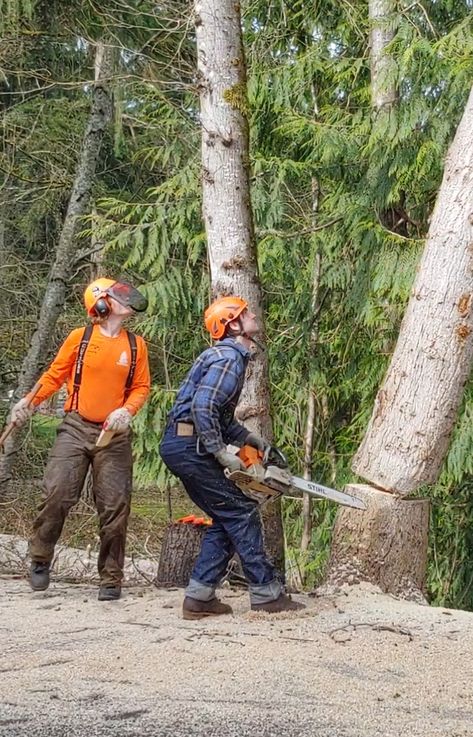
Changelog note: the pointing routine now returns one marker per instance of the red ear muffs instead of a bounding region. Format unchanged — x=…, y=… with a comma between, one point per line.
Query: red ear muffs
x=102, y=307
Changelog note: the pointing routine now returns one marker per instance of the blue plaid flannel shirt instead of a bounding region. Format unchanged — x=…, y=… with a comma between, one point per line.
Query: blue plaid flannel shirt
x=209, y=395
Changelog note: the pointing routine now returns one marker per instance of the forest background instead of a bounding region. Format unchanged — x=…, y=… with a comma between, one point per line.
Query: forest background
x=341, y=200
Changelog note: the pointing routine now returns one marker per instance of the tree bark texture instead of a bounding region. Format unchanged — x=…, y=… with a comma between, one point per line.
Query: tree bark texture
x=97, y=246
x=416, y=408
x=58, y=281
x=385, y=545
x=179, y=550
x=227, y=208
x=383, y=89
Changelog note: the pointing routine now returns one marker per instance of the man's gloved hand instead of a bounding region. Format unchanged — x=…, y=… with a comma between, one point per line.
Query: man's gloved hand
x=21, y=411
x=118, y=420
x=256, y=441
x=229, y=460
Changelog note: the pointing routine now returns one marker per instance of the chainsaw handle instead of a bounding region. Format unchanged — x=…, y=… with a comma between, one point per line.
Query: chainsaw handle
x=274, y=457
x=271, y=456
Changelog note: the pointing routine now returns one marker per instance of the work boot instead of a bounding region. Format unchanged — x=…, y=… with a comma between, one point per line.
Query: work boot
x=283, y=603
x=39, y=575
x=195, y=609
x=109, y=593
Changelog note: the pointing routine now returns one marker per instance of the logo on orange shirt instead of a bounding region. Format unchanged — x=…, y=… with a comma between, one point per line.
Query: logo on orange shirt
x=123, y=360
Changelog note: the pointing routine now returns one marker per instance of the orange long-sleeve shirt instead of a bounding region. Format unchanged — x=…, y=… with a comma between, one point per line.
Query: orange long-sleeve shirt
x=104, y=374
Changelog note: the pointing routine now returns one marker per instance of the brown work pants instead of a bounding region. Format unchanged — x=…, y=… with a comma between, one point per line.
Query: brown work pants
x=72, y=454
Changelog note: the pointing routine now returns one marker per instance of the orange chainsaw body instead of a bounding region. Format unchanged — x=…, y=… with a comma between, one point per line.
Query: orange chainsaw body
x=250, y=456
x=256, y=477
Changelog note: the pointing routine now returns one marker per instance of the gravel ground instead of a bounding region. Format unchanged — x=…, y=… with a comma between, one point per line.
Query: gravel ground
x=357, y=664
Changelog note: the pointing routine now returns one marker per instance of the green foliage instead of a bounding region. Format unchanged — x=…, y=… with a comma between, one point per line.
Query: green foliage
x=13, y=12
x=309, y=567
x=451, y=542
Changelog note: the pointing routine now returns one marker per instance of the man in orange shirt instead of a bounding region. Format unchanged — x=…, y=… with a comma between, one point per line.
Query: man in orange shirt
x=108, y=381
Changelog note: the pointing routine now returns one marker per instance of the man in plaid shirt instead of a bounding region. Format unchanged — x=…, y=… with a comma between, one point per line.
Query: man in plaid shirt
x=200, y=425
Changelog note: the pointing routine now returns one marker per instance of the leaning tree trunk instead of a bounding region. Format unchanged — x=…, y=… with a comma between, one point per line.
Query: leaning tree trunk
x=415, y=409
x=78, y=206
x=226, y=201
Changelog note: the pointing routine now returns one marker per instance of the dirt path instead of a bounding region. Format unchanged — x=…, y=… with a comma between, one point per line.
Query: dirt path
x=71, y=666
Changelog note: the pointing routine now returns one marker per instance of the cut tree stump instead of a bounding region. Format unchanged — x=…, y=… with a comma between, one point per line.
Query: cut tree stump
x=385, y=545
x=179, y=551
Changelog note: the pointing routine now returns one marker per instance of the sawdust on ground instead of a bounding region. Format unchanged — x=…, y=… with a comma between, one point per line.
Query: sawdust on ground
x=357, y=664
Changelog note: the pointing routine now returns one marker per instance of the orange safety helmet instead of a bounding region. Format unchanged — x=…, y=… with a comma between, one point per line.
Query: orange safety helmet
x=95, y=297
x=221, y=312
x=95, y=291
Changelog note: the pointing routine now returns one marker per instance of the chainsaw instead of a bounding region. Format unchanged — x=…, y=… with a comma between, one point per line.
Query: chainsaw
x=267, y=476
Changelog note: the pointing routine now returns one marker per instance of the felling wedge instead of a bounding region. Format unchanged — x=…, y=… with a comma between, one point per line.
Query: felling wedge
x=267, y=475
x=104, y=438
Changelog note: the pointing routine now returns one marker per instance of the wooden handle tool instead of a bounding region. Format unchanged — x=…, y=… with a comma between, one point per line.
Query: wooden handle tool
x=12, y=425
x=104, y=438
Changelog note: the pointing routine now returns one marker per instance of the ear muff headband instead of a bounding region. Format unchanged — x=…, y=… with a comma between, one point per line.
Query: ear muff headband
x=102, y=307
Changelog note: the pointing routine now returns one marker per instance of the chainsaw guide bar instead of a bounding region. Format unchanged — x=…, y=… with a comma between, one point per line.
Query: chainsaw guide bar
x=272, y=479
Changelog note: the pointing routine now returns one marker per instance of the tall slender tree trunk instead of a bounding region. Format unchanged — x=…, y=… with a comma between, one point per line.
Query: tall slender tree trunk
x=383, y=18
x=416, y=408
x=58, y=282
x=307, y=471
x=226, y=201
x=311, y=400
x=97, y=249
x=383, y=86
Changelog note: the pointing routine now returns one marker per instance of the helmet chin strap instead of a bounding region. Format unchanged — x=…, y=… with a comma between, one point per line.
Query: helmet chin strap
x=259, y=345
x=253, y=340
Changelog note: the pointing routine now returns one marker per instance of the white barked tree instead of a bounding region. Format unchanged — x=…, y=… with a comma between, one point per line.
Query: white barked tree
x=227, y=207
